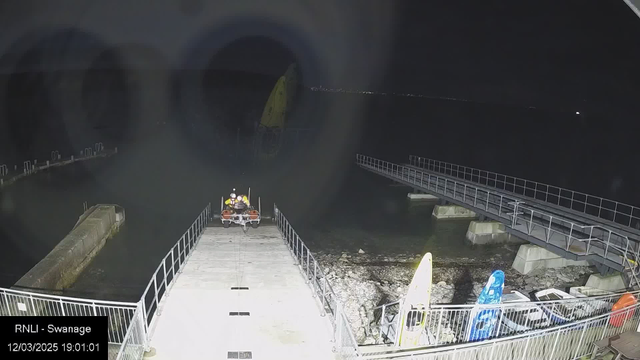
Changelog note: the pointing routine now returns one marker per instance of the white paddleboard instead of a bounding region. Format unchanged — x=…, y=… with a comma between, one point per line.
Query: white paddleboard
x=415, y=304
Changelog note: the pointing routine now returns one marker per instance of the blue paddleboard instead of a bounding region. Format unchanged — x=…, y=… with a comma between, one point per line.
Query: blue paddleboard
x=484, y=321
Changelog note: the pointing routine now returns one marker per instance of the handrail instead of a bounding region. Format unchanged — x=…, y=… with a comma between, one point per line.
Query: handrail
x=519, y=304
x=178, y=256
x=133, y=345
x=545, y=343
x=9, y=175
x=23, y=303
x=598, y=241
x=611, y=210
x=448, y=322
x=67, y=298
x=346, y=344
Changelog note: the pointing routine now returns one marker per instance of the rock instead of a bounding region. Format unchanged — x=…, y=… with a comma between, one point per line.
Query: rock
x=442, y=283
x=360, y=251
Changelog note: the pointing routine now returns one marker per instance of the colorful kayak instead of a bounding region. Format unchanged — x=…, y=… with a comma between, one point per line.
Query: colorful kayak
x=621, y=317
x=415, y=305
x=484, y=321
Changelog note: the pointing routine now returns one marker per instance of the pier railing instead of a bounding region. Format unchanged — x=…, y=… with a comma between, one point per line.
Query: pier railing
x=21, y=303
x=135, y=341
x=541, y=227
x=605, y=209
x=565, y=342
x=9, y=174
x=450, y=324
x=344, y=340
x=166, y=272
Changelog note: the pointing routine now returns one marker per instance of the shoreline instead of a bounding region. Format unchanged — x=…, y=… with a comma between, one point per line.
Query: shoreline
x=362, y=282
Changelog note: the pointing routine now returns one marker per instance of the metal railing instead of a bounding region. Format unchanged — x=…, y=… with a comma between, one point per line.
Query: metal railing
x=542, y=227
x=30, y=166
x=568, y=341
x=21, y=303
x=344, y=340
x=605, y=209
x=166, y=272
x=134, y=344
x=450, y=324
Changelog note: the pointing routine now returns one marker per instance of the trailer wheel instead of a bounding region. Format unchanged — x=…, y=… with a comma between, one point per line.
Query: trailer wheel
x=255, y=225
x=226, y=224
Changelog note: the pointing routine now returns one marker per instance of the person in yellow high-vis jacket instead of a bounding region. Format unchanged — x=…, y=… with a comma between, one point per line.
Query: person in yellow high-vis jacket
x=231, y=201
x=244, y=199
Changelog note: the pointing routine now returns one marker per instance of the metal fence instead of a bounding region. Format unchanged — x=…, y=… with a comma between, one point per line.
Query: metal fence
x=170, y=266
x=605, y=209
x=135, y=341
x=8, y=173
x=568, y=341
x=21, y=303
x=344, y=340
x=541, y=227
x=450, y=324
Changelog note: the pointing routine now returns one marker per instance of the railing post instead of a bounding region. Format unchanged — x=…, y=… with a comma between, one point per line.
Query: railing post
x=499, y=323
x=145, y=326
x=526, y=347
x=570, y=235
x=155, y=294
x=144, y=311
x=164, y=268
x=307, y=279
x=382, y=319
x=555, y=344
x=173, y=262
x=599, y=208
x=584, y=329
x=438, y=329
x=606, y=249
x=589, y=241
x=324, y=293
x=33, y=307
x=531, y=223
x=464, y=194
x=315, y=277
x=337, y=334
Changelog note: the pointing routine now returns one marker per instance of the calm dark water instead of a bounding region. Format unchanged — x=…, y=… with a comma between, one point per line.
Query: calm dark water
x=364, y=212
x=165, y=179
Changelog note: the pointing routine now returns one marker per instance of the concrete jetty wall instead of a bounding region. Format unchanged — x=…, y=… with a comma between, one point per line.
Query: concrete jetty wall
x=489, y=232
x=61, y=267
x=452, y=212
x=531, y=257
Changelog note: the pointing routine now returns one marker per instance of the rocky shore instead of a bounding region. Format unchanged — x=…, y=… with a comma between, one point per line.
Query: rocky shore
x=362, y=281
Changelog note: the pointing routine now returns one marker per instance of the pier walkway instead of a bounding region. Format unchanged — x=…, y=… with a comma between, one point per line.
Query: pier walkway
x=241, y=293
x=226, y=294
x=558, y=230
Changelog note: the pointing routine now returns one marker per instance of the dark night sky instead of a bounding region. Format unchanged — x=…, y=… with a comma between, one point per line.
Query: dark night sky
x=567, y=54
x=558, y=57
x=570, y=55
x=558, y=53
